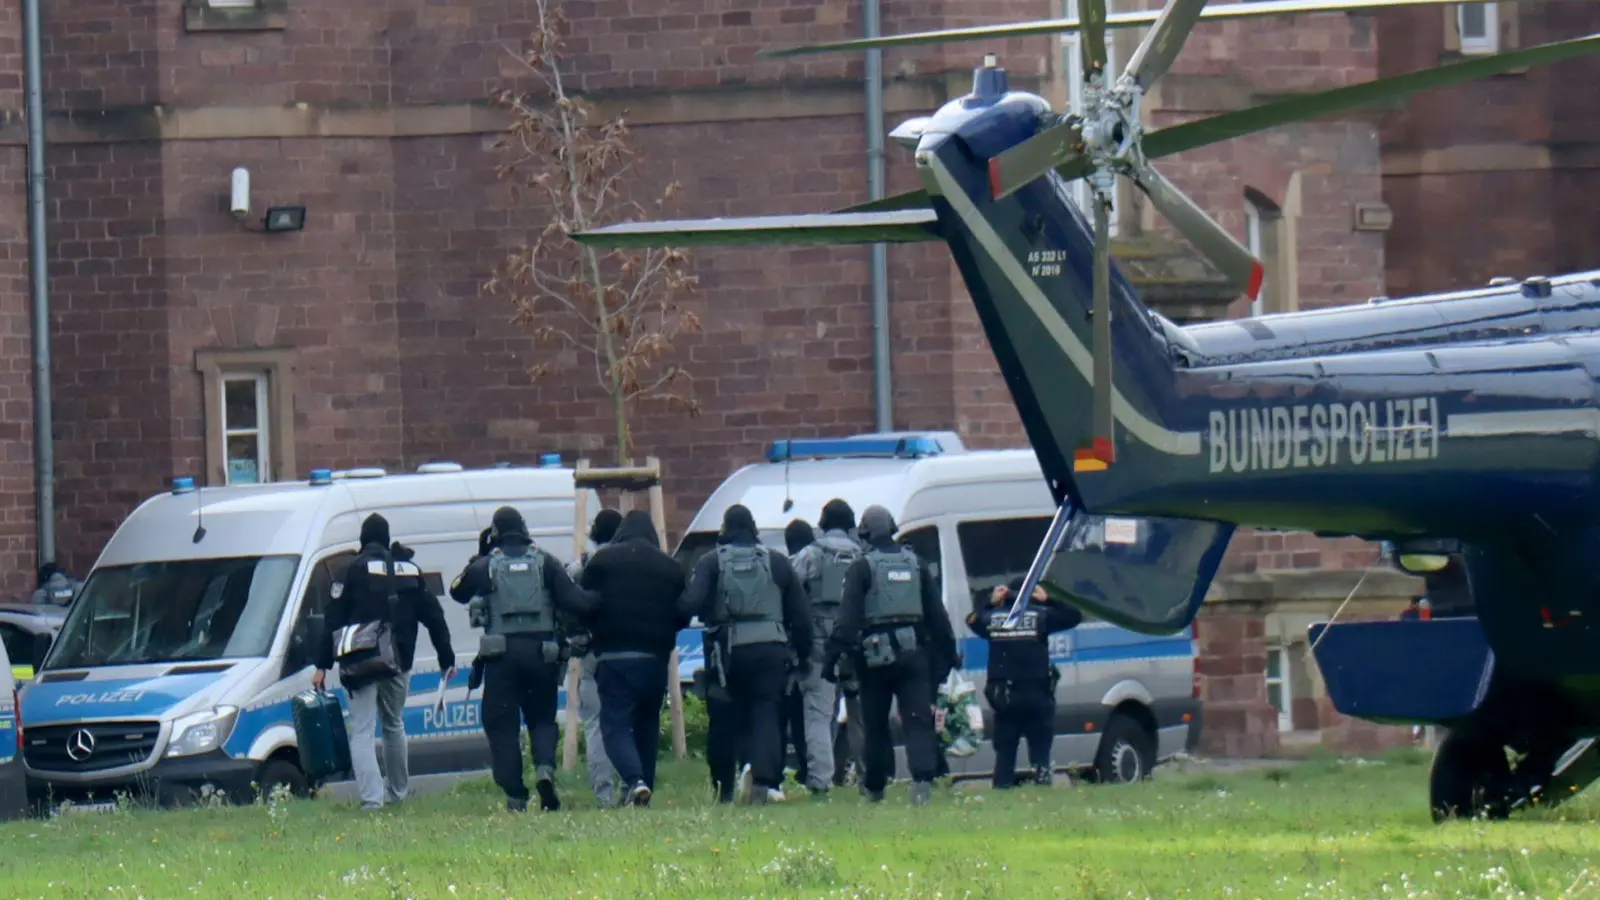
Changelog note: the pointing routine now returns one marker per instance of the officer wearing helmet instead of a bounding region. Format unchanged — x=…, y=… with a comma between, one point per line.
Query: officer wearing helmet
x=516, y=593
x=892, y=624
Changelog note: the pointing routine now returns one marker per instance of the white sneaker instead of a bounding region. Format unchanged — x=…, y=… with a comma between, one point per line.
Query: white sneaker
x=746, y=786
x=775, y=795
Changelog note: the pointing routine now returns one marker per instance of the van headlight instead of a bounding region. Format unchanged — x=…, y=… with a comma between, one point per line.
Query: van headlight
x=202, y=732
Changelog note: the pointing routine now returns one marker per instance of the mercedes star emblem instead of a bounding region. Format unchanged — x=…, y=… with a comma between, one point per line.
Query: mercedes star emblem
x=80, y=744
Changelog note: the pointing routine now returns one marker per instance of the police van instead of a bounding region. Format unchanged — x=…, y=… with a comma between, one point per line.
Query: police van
x=1125, y=700
x=13, y=782
x=174, y=669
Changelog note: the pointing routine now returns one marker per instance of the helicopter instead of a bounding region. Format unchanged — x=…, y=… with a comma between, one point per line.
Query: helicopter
x=1458, y=429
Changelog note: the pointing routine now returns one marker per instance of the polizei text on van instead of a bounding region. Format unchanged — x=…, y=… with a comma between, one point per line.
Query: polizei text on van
x=1324, y=434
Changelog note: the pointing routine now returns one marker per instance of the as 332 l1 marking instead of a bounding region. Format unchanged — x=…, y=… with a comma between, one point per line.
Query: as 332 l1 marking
x=1324, y=434
x=1044, y=263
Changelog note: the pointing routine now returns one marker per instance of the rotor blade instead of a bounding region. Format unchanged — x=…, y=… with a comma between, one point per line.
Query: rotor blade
x=1162, y=45
x=1052, y=148
x=1228, y=126
x=1242, y=270
x=1139, y=19
x=1102, y=448
x=893, y=226
x=917, y=199
x=1094, y=37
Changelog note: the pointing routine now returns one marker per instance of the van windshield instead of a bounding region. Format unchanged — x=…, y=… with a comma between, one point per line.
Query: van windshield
x=697, y=543
x=182, y=610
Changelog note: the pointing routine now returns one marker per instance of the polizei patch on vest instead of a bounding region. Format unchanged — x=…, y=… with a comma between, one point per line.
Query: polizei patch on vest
x=900, y=576
x=518, y=567
x=1324, y=434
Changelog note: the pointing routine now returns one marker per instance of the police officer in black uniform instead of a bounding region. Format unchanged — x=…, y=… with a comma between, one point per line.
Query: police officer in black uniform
x=893, y=625
x=515, y=594
x=758, y=631
x=1021, y=682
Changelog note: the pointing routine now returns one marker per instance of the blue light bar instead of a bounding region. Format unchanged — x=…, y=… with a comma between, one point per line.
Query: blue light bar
x=550, y=461
x=321, y=477
x=894, y=448
x=183, y=484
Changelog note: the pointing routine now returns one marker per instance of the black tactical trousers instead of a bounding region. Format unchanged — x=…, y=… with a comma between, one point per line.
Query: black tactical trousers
x=908, y=680
x=749, y=721
x=520, y=687
x=1027, y=710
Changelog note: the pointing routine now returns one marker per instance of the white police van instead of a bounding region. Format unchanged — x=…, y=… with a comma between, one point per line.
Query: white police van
x=13, y=782
x=174, y=669
x=1125, y=700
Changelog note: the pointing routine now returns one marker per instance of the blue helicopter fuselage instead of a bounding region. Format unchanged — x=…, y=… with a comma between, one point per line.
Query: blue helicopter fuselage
x=1471, y=416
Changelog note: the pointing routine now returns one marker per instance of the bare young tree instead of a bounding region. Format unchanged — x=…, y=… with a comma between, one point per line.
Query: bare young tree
x=620, y=308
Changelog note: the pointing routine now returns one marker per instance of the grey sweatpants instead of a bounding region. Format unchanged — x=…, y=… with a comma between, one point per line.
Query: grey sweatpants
x=820, y=705
x=386, y=701
x=602, y=778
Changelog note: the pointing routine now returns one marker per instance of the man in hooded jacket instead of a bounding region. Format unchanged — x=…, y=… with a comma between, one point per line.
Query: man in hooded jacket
x=635, y=630
x=378, y=573
x=757, y=620
x=821, y=567
x=525, y=659
x=892, y=623
x=602, y=777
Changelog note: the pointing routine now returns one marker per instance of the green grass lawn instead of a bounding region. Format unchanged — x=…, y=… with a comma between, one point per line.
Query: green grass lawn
x=1324, y=829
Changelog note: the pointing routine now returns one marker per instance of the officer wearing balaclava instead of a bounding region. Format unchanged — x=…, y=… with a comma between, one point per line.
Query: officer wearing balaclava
x=515, y=594
x=893, y=625
x=758, y=630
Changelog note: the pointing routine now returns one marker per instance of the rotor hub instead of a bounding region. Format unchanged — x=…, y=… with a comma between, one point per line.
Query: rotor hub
x=1111, y=129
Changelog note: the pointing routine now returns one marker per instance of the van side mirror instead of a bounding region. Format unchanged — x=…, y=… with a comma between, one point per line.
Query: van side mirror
x=41, y=648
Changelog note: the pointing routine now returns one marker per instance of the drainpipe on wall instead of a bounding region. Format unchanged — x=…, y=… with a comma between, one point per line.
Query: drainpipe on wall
x=44, y=464
x=882, y=383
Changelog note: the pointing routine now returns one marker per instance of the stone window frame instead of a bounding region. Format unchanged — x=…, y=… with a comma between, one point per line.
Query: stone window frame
x=234, y=15
x=1271, y=236
x=1507, y=32
x=278, y=364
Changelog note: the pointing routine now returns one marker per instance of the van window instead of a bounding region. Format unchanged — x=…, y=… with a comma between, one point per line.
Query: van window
x=924, y=542
x=998, y=551
x=18, y=643
x=181, y=610
x=696, y=544
x=319, y=590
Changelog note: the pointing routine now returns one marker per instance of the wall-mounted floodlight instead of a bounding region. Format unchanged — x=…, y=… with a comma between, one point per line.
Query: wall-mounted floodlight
x=284, y=218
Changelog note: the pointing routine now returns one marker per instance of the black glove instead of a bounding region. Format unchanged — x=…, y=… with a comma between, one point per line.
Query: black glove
x=475, y=677
x=830, y=670
x=400, y=552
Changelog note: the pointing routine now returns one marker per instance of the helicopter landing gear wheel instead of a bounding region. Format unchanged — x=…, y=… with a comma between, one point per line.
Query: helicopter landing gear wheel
x=1470, y=778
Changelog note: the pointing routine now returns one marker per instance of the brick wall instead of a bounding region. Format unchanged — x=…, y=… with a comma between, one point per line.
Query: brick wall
x=1518, y=150
x=401, y=361
x=16, y=324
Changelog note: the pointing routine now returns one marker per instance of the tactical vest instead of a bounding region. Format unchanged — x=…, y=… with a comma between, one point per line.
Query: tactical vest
x=1020, y=653
x=827, y=579
x=896, y=592
x=520, y=602
x=748, y=598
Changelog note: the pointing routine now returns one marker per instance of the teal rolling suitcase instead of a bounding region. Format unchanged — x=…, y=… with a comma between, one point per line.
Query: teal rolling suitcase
x=319, y=730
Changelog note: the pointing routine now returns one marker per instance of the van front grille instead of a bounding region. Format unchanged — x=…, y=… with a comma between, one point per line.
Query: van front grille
x=89, y=746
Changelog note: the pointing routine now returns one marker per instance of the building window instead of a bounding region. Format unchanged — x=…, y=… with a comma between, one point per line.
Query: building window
x=245, y=403
x=997, y=551
x=249, y=415
x=1072, y=62
x=1252, y=225
x=231, y=4
x=1479, y=26
x=1279, y=692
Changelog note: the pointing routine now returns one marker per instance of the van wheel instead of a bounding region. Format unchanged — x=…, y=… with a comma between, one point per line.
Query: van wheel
x=1127, y=752
x=280, y=771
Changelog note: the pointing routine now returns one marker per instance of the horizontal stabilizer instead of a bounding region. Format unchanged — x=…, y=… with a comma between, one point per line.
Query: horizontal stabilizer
x=917, y=199
x=882, y=226
x=1147, y=574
